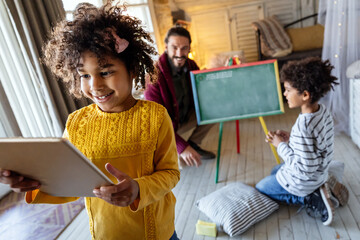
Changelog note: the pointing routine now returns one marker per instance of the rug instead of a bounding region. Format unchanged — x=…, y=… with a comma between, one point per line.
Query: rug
x=22, y=221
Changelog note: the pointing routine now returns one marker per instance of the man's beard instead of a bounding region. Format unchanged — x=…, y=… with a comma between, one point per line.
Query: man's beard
x=178, y=68
x=183, y=57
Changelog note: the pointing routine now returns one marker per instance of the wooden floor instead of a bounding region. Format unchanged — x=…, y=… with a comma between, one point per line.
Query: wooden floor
x=251, y=165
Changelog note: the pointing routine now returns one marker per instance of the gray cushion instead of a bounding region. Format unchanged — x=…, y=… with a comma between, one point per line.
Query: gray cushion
x=236, y=207
x=274, y=41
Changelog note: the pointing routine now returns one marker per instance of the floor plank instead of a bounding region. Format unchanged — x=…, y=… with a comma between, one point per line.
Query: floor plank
x=256, y=161
x=253, y=163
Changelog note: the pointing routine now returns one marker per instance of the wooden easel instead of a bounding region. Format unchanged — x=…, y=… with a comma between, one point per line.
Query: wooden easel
x=261, y=119
x=247, y=90
x=235, y=61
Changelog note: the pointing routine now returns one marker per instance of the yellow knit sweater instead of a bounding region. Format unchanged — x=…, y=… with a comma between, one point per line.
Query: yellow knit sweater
x=141, y=143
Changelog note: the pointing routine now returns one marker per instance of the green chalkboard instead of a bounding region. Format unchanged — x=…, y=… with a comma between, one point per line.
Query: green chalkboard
x=237, y=92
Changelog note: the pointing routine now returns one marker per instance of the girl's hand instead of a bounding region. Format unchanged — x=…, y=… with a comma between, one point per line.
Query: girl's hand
x=17, y=182
x=123, y=194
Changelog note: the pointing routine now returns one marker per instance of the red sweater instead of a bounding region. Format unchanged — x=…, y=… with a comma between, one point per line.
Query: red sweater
x=163, y=92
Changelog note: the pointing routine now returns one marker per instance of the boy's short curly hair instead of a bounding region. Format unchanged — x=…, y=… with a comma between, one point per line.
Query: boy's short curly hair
x=310, y=74
x=87, y=31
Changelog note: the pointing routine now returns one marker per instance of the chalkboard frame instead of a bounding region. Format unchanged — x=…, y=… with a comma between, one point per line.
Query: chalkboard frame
x=272, y=76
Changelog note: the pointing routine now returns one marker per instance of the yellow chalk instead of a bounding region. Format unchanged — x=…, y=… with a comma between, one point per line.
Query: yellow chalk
x=206, y=228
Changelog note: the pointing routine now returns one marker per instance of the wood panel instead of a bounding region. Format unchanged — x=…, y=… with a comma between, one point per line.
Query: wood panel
x=242, y=33
x=251, y=165
x=211, y=34
x=285, y=10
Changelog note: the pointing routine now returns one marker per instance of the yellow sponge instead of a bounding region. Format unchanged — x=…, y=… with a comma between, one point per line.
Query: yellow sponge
x=206, y=228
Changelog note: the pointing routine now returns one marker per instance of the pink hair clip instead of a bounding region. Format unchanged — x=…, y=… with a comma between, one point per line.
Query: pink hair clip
x=120, y=44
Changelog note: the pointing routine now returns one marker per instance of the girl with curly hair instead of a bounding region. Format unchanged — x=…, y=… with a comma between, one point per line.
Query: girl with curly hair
x=308, y=150
x=99, y=54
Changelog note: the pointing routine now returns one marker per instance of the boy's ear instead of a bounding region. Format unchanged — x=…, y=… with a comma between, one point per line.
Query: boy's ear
x=306, y=95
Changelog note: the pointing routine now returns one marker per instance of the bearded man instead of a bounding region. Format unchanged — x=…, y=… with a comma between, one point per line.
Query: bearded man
x=173, y=90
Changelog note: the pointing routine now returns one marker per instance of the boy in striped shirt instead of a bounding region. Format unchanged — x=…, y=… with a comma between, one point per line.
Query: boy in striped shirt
x=308, y=150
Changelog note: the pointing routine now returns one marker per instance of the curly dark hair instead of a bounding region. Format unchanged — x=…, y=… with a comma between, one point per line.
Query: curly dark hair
x=177, y=31
x=310, y=74
x=87, y=32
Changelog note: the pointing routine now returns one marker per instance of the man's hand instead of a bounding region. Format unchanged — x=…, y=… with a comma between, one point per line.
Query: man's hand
x=191, y=157
x=17, y=182
x=123, y=194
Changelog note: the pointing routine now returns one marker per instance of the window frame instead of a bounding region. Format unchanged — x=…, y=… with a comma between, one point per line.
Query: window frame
x=150, y=4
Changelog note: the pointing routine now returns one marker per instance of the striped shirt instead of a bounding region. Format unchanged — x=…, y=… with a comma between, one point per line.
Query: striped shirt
x=308, y=153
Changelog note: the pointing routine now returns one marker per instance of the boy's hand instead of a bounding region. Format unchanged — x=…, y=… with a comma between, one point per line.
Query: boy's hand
x=123, y=194
x=17, y=182
x=274, y=139
x=284, y=134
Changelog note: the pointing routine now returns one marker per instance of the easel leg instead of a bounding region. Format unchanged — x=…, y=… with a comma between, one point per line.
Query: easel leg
x=218, y=153
x=271, y=146
x=237, y=136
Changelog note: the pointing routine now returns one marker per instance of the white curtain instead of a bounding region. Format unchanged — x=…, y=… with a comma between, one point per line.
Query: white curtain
x=341, y=19
x=24, y=88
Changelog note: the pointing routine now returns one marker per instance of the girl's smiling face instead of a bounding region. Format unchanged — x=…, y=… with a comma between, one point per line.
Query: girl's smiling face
x=108, y=85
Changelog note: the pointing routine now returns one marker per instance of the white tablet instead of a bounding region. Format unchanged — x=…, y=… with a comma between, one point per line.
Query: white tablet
x=61, y=168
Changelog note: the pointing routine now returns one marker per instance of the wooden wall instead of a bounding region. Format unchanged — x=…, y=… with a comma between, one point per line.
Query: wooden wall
x=225, y=25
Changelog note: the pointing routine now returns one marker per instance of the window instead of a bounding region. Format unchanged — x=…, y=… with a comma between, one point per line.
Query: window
x=70, y=5
x=141, y=9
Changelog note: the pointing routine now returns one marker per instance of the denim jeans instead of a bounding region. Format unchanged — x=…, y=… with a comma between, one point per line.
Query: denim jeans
x=271, y=187
x=174, y=236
